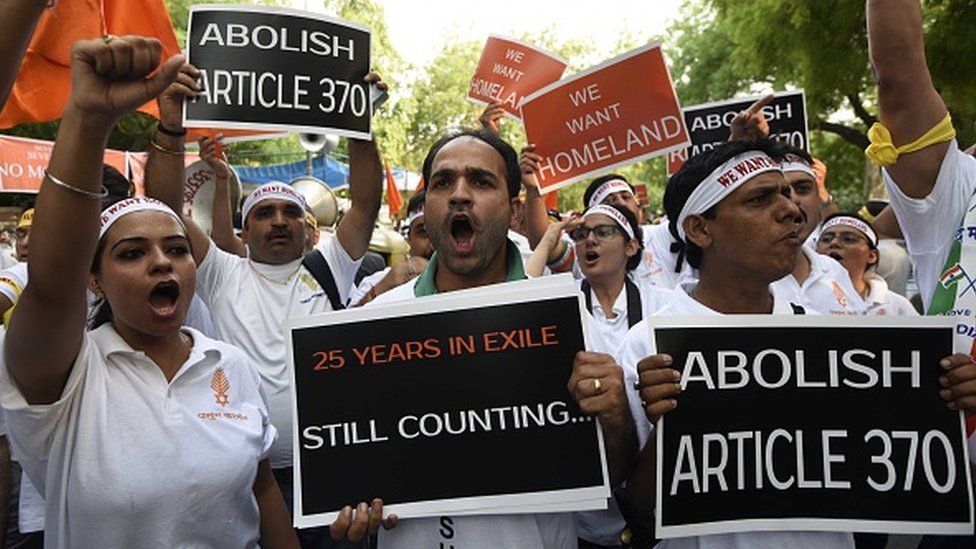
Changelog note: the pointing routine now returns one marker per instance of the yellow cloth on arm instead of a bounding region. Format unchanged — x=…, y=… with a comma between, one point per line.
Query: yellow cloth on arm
x=883, y=152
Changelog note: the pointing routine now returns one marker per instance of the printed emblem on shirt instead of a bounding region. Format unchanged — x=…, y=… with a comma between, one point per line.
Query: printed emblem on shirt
x=952, y=275
x=220, y=386
x=839, y=294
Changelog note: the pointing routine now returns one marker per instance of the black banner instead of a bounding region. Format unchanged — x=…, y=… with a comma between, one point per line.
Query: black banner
x=710, y=124
x=833, y=426
x=452, y=404
x=274, y=69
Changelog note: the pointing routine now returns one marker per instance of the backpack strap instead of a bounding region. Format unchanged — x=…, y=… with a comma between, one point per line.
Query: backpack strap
x=316, y=264
x=634, y=309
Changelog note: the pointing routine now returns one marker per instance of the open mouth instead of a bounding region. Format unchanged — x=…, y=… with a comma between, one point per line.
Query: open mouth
x=462, y=233
x=164, y=296
x=836, y=256
x=591, y=257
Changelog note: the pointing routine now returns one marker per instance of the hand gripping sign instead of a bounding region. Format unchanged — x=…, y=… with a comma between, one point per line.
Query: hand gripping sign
x=616, y=113
x=509, y=70
x=279, y=69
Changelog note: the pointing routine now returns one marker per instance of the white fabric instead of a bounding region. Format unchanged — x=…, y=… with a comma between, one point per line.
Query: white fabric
x=8, y=257
x=542, y=531
x=132, y=205
x=13, y=281
x=881, y=301
x=612, y=213
x=608, y=188
x=30, y=507
x=127, y=459
x=854, y=223
x=827, y=289
x=613, y=330
x=723, y=181
x=794, y=163
x=357, y=293
x=248, y=311
x=273, y=190
x=414, y=215
x=930, y=224
x=637, y=346
x=522, y=243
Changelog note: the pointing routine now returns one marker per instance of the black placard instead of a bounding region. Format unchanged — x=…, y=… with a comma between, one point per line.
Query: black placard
x=278, y=69
x=709, y=125
x=860, y=411
x=465, y=403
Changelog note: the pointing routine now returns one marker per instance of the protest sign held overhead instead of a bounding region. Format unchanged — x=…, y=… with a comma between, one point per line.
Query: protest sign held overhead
x=709, y=124
x=454, y=404
x=613, y=114
x=826, y=424
x=279, y=69
x=509, y=70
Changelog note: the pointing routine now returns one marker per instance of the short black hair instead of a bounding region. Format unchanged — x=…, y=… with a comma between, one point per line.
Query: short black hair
x=118, y=186
x=692, y=173
x=513, y=174
x=595, y=184
x=416, y=202
x=786, y=149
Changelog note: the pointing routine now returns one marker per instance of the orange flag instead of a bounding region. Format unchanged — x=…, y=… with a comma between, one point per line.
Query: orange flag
x=393, y=198
x=420, y=185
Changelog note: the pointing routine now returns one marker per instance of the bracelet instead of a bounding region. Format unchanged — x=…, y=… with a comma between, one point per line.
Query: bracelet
x=163, y=149
x=76, y=190
x=169, y=132
x=562, y=259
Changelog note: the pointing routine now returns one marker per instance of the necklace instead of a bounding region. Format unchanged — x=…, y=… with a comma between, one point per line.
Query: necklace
x=272, y=280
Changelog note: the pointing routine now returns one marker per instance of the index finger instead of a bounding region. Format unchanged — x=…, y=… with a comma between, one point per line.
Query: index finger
x=758, y=105
x=654, y=362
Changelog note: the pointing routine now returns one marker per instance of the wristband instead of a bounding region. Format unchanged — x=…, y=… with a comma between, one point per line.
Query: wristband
x=172, y=133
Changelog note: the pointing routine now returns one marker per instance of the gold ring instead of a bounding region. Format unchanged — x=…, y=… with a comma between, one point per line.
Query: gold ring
x=597, y=385
x=108, y=38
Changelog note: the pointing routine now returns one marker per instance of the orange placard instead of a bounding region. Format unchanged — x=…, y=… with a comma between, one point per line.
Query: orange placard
x=616, y=113
x=510, y=70
x=22, y=162
x=642, y=197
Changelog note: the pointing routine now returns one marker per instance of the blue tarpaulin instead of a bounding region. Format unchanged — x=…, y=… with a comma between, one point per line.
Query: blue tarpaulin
x=334, y=173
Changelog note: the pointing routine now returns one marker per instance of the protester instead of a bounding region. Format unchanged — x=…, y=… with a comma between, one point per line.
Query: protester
x=851, y=240
x=250, y=298
x=405, y=271
x=930, y=181
x=473, y=179
x=58, y=379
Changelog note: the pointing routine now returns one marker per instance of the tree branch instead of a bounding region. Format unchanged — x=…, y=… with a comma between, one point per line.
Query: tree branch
x=860, y=111
x=850, y=135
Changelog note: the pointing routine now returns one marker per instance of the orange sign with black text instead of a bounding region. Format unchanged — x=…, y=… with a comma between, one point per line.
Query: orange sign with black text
x=22, y=162
x=616, y=113
x=510, y=70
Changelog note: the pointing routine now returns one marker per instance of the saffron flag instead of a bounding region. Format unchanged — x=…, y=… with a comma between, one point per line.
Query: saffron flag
x=393, y=198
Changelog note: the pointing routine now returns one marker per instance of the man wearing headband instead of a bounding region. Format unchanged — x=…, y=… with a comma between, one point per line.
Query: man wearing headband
x=931, y=183
x=420, y=251
x=851, y=240
x=733, y=212
x=250, y=298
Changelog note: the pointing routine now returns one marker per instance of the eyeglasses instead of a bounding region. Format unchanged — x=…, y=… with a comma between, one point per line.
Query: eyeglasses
x=602, y=232
x=847, y=239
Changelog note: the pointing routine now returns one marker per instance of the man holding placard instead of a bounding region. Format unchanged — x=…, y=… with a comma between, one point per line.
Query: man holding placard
x=714, y=202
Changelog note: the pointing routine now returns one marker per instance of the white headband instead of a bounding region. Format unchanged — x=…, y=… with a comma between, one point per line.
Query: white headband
x=854, y=223
x=794, y=163
x=131, y=205
x=610, y=187
x=612, y=213
x=271, y=190
x=414, y=215
x=724, y=181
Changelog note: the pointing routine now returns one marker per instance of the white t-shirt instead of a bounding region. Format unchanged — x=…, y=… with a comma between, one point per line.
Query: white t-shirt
x=357, y=293
x=13, y=280
x=613, y=330
x=126, y=458
x=30, y=507
x=249, y=303
x=543, y=531
x=637, y=346
x=881, y=301
x=828, y=288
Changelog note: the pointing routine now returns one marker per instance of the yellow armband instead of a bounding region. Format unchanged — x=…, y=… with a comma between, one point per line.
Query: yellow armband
x=883, y=152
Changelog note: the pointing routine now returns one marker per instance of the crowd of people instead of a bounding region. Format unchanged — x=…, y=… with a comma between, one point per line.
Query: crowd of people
x=125, y=320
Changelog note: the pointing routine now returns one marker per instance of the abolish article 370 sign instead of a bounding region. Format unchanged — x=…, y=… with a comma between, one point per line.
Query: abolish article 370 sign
x=810, y=423
x=279, y=69
x=446, y=405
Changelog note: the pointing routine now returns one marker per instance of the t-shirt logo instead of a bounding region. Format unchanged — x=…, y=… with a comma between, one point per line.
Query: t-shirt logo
x=839, y=294
x=220, y=386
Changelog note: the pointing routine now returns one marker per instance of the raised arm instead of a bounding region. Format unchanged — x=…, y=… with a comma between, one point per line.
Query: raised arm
x=18, y=19
x=908, y=103
x=222, y=231
x=536, y=216
x=165, y=165
x=365, y=190
x=108, y=79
